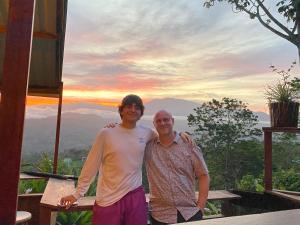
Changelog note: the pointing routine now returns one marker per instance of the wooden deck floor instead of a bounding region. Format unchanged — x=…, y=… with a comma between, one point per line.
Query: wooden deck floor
x=286, y=217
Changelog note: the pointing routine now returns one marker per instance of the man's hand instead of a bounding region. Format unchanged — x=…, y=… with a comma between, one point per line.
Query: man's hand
x=111, y=125
x=187, y=138
x=67, y=201
x=201, y=209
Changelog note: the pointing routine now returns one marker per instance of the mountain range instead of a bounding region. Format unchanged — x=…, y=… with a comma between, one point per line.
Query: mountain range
x=81, y=122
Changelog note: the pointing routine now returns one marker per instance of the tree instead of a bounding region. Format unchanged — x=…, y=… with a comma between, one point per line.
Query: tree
x=257, y=9
x=225, y=130
x=286, y=154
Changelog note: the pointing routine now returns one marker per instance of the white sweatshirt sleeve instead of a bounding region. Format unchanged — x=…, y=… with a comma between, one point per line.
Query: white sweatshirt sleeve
x=91, y=166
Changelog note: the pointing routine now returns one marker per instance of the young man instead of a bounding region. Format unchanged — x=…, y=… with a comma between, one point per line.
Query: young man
x=171, y=166
x=118, y=156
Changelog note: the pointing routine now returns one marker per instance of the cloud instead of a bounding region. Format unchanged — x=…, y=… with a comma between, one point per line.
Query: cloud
x=168, y=48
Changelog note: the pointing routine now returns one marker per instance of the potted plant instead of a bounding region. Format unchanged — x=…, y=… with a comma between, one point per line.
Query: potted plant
x=283, y=99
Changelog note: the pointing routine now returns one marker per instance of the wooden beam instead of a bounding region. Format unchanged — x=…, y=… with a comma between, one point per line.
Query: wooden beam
x=268, y=160
x=36, y=34
x=14, y=89
x=45, y=35
x=2, y=29
x=58, y=122
x=282, y=129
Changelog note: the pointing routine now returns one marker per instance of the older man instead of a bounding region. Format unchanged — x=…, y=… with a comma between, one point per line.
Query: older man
x=172, y=166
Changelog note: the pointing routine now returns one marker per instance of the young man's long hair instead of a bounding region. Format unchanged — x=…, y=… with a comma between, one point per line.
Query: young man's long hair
x=129, y=100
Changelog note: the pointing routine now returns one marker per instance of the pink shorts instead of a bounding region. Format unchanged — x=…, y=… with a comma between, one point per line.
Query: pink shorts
x=129, y=210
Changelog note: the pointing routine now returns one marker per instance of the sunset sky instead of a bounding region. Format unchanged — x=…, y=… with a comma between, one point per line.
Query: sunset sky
x=168, y=48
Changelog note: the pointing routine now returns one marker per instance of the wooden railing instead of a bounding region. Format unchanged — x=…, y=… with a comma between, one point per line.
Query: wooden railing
x=56, y=188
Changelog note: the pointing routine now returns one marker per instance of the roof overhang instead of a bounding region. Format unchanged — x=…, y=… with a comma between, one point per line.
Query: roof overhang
x=45, y=76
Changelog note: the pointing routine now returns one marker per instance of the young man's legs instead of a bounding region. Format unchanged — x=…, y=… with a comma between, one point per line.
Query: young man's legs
x=129, y=210
x=135, y=207
x=109, y=215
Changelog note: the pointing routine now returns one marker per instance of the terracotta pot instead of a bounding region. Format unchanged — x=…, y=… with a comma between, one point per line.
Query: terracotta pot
x=284, y=114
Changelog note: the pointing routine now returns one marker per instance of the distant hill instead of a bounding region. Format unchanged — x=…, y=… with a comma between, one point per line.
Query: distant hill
x=177, y=107
x=81, y=122
x=77, y=131
x=262, y=116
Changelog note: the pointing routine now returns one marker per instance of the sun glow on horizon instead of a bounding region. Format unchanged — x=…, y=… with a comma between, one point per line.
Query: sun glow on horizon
x=41, y=101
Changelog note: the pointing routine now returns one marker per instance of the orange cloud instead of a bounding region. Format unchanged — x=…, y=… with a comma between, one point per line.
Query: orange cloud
x=118, y=84
x=32, y=101
x=40, y=101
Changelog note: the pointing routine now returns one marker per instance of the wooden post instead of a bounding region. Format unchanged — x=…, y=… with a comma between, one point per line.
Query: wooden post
x=16, y=67
x=58, y=122
x=268, y=160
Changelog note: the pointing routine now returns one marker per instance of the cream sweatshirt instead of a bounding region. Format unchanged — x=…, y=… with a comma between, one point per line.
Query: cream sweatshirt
x=117, y=154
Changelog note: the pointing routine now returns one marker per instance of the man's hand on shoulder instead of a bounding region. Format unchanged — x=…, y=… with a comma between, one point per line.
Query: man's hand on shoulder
x=111, y=125
x=187, y=138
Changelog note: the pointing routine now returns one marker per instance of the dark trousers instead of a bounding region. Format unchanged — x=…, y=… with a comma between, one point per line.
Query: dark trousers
x=180, y=219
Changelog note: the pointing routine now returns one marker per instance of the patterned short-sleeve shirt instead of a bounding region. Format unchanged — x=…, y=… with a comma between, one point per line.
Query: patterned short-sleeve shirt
x=171, y=174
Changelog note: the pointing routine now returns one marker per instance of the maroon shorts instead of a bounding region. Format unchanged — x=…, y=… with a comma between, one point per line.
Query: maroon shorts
x=129, y=210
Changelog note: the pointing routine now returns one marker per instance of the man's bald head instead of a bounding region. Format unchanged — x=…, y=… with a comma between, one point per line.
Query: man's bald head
x=163, y=122
x=162, y=112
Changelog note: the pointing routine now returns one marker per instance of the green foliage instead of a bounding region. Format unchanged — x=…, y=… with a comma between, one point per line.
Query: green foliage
x=245, y=157
x=288, y=9
x=282, y=180
x=287, y=180
x=295, y=84
x=226, y=131
x=286, y=152
x=32, y=186
x=74, y=218
x=286, y=167
x=225, y=122
x=213, y=208
x=250, y=183
x=284, y=90
x=70, y=165
x=45, y=164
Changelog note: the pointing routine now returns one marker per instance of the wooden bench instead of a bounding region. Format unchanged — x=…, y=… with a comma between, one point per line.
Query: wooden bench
x=286, y=217
x=56, y=189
